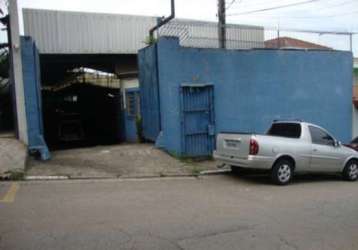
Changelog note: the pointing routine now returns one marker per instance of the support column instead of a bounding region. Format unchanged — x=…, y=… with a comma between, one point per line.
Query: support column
x=15, y=48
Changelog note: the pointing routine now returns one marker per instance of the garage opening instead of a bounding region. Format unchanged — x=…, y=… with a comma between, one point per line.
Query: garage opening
x=7, y=127
x=6, y=109
x=83, y=110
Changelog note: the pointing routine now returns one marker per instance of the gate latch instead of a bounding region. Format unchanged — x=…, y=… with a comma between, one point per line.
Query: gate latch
x=211, y=129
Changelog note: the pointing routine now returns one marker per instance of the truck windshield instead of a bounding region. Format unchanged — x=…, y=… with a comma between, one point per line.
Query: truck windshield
x=290, y=130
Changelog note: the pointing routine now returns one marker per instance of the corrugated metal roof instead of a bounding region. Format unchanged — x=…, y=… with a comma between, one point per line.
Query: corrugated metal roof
x=67, y=32
x=64, y=32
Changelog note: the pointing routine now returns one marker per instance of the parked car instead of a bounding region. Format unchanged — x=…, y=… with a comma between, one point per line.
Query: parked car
x=287, y=147
x=353, y=144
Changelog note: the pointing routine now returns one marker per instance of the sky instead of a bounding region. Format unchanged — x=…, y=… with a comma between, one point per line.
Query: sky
x=325, y=15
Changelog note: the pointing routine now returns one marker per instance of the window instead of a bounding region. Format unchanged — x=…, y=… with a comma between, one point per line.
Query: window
x=319, y=136
x=285, y=129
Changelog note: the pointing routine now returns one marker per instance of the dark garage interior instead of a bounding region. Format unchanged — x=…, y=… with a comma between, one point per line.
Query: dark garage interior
x=81, y=100
x=81, y=115
x=6, y=93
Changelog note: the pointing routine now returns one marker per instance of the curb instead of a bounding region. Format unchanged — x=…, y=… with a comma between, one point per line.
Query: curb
x=124, y=177
x=45, y=178
x=92, y=177
x=215, y=172
x=64, y=177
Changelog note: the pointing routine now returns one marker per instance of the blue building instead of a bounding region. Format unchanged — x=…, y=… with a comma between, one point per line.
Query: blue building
x=188, y=95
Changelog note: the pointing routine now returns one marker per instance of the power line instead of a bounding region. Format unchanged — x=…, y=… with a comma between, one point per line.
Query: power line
x=336, y=5
x=253, y=5
x=274, y=8
x=314, y=17
x=328, y=16
x=319, y=9
x=231, y=3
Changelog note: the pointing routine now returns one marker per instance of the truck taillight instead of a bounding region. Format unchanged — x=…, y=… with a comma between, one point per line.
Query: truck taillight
x=254, y=147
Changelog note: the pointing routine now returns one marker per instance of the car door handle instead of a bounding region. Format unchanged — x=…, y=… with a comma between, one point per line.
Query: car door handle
x=315, y=150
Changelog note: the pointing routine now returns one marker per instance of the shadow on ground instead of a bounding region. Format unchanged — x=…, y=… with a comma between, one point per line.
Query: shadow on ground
x=264, y=178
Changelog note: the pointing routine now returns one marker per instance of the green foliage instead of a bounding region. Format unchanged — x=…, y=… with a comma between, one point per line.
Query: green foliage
x=195, y=171
x=150, y=40
x=4, y=64
x=13, y=175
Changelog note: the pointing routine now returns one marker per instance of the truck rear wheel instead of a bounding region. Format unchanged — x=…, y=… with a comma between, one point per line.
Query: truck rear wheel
x=350, y=171
x=282, y=172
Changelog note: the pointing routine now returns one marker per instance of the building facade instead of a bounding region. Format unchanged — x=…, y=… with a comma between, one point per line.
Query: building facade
x=189, y=95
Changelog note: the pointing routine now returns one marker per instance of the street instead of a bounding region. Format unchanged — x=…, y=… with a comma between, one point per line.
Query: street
x=212, y=212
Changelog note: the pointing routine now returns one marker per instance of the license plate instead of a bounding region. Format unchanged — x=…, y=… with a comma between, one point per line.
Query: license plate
x=232, y=143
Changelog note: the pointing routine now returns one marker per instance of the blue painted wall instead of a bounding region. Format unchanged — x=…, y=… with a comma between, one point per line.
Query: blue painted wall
x=148, y=81
x=33, y=100
x=251, y=87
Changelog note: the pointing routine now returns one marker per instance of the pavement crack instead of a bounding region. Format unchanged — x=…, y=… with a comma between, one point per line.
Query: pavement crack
x=212, y=234
x=174, y=242
x=287, y=243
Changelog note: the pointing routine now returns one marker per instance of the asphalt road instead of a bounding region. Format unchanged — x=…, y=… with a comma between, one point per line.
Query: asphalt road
x=216, y=212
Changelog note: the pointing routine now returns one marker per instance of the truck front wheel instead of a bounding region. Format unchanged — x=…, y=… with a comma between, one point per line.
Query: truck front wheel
x=282, y=172
x=350, y=172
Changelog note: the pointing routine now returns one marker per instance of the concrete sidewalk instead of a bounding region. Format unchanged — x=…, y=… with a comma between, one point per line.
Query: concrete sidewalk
x=13, y=156
x=128, y=160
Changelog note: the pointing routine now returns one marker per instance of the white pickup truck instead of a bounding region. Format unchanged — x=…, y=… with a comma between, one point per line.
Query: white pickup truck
x=287, y=147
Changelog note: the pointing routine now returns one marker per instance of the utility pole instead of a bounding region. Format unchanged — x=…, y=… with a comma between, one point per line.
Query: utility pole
x=278, y=39
x=222, y=24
